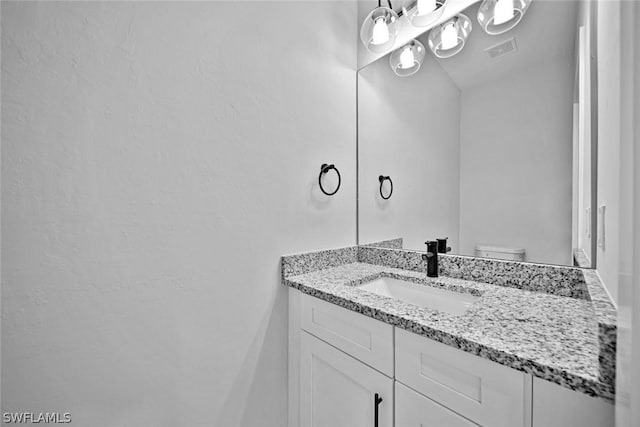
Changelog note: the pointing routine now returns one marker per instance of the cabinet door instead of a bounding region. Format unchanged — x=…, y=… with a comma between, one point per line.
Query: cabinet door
x=337, y=390
x=415, y=410
x=556, y=406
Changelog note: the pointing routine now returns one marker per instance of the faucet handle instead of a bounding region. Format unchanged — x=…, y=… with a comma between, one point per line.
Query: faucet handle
x=442, y=245
x=427, y=256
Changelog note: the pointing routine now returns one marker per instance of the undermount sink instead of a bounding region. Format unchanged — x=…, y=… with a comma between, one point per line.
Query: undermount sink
x=421, y=295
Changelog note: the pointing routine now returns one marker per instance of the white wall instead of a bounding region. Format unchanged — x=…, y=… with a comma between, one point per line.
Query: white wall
x=515, y=157
x=408, y=130
x=628, y=371
x=628, y=376
x=157, y=159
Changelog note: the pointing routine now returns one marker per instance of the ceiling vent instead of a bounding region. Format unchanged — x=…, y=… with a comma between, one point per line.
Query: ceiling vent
x=502, y=48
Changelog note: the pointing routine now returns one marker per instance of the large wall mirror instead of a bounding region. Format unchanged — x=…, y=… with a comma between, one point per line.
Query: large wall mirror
x=490, y=148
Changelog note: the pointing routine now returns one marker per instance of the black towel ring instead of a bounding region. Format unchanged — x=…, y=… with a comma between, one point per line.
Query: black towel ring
x=382, y=179
x=324, y=169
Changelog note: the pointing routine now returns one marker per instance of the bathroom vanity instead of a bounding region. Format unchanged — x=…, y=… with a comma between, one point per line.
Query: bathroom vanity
x=499, y=343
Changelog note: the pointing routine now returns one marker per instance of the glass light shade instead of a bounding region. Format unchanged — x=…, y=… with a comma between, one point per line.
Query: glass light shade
x=422, y=13
x=407, y=60
x=499, y=16
x=379, y=30
x=449, y=38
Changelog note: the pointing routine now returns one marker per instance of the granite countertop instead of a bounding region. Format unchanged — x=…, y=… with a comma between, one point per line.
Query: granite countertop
x=556, y=338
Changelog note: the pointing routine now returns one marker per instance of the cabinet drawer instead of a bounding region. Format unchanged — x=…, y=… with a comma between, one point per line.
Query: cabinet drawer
x=364, y=338
x=485, y=392
x=415, y=410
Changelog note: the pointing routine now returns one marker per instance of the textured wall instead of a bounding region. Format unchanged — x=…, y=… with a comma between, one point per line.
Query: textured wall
x=157, y=159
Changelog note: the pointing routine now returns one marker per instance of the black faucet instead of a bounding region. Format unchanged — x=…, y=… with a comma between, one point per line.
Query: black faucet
x=442, y=245
x=432, y=258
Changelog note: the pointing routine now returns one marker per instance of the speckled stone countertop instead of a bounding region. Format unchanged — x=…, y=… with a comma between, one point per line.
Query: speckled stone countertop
x=566, y=340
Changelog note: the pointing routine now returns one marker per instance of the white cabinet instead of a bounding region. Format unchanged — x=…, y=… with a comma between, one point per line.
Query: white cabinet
x=337, y=390
x=485, y=392
x=340, y=360
x=415, y=410
x=556, y=406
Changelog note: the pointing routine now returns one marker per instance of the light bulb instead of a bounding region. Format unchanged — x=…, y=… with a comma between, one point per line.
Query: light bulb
x=504, y=12
x=426, y=6
x=449, y=36
x=380, y=31
x=407, y=60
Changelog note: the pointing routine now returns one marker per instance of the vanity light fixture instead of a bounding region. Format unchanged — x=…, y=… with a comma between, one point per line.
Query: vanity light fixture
x=447, y=39
x=380, y=29
x=499, y=16
x=423, y=12
x=407, y=60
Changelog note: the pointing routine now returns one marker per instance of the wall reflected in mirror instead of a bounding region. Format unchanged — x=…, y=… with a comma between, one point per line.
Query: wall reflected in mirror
x=490, y=148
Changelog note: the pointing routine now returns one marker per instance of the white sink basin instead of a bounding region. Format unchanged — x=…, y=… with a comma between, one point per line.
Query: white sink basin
x=421, y=295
